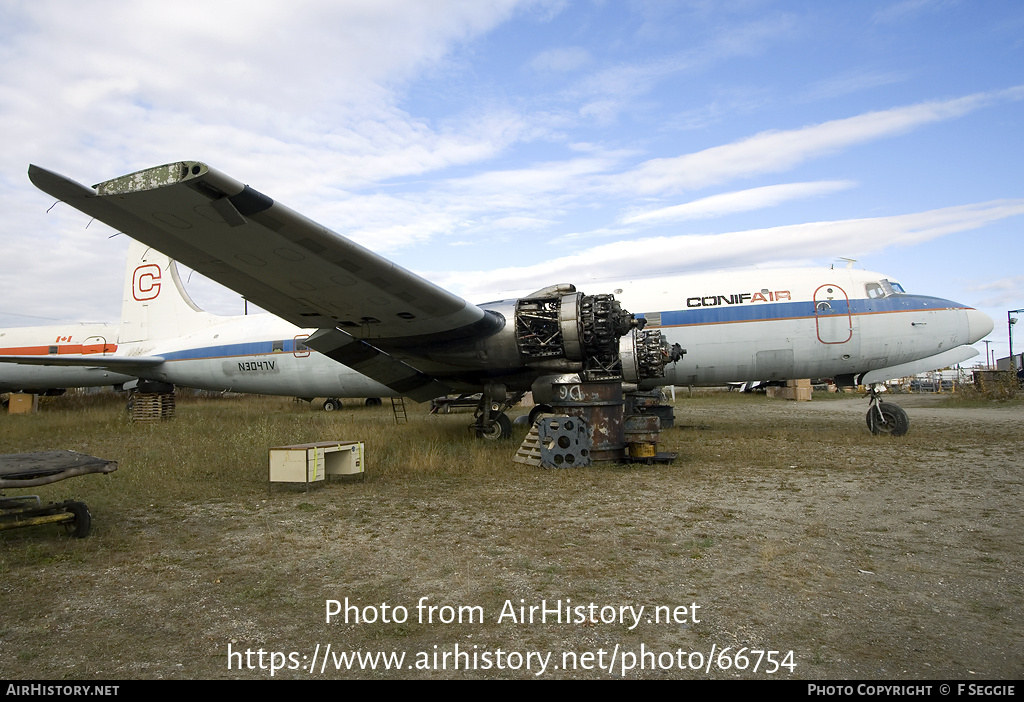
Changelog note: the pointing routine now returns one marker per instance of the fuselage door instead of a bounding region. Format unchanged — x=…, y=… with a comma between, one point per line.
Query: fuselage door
x=98, y=344
x=832, y=315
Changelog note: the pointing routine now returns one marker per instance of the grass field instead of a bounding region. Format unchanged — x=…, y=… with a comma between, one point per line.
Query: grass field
x=790, y=526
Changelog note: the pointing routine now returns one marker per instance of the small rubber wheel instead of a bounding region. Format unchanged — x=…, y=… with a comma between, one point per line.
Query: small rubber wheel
x=332, y=404
x=894, y=421
x=373, y=402
x=79, y=528
x=501, y=429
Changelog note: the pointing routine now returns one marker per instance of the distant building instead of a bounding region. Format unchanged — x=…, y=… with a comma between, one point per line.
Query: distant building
x=1003, y=364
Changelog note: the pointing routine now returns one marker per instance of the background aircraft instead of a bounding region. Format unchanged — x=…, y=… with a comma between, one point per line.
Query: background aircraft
x=50, y=342
x=353, y=324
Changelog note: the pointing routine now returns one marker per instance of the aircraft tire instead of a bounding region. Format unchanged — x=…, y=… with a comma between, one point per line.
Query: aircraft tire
x=79, y=528
x=894, y=420
x=536, y=411
x=332, y=404
x=373, y=402
x=501, y=429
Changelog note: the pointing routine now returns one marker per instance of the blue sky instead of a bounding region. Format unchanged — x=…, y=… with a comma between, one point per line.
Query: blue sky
x=501, y=145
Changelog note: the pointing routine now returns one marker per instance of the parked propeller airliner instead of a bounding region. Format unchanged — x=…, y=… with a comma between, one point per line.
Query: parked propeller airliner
x=348, y=323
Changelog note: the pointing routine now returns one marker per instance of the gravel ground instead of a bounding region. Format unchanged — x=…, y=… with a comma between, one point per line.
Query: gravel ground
x=784, y=533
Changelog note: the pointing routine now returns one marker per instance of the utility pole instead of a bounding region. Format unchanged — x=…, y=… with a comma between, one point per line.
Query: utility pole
x=1010, y=321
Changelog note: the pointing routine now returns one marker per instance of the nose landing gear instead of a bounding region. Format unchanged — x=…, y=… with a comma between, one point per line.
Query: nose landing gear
x=885, y=417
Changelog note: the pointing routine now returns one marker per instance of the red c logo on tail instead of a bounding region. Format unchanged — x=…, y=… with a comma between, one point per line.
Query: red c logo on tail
x=146, y=282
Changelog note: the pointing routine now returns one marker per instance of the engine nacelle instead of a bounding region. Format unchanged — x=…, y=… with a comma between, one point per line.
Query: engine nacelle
x=560, y=329
x=644, y=354
x=556, y=330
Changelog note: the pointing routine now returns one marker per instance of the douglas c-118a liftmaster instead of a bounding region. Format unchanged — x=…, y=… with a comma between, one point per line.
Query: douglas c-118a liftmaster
x=346, y=322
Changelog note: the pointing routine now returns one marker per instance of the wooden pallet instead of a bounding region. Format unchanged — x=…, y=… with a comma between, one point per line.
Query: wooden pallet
x=152, y=406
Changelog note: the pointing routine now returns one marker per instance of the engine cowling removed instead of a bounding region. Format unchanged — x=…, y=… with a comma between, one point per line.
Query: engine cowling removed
x=560, y=329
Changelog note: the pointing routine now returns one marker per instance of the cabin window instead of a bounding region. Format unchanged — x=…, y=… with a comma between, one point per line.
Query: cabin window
x=278, y=346
x=874, y=291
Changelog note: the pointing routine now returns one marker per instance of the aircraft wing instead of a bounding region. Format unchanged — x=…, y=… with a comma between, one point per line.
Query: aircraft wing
x=120, y=364
x=942, y=360
x=285, y=263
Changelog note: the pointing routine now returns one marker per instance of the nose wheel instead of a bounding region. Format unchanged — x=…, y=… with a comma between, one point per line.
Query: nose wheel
x=886, y=417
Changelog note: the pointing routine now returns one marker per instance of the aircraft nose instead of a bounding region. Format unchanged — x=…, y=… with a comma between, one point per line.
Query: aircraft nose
x=979, y=325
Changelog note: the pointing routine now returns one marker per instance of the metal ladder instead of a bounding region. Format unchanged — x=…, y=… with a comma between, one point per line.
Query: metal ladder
x=398, y=407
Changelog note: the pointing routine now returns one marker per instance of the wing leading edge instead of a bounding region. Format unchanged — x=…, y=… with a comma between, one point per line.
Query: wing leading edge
x=289, y=265
x=119, y=364
x=275, y=257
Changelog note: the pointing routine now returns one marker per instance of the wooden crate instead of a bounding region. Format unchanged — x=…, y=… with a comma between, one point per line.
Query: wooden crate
x=23, y=403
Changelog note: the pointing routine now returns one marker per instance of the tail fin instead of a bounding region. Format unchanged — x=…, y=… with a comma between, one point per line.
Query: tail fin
x=155, y=305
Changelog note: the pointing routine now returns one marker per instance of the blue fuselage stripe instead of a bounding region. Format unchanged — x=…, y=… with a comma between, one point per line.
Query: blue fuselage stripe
x=723, y=312
x=716, y=314
x=252, y=348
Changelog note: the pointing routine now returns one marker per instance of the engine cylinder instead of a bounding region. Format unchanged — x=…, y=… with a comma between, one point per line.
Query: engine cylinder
x=644, y=355
x=583, y=329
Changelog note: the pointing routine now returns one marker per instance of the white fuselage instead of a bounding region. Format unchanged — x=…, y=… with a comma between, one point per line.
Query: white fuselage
x=734, y=326
x=796, y=323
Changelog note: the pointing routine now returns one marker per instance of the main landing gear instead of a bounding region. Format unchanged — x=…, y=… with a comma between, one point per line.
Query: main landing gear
x=491, y=422
x=885, y=417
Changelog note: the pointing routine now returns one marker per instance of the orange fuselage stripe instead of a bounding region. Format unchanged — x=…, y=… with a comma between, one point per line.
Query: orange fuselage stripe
x=62, y=349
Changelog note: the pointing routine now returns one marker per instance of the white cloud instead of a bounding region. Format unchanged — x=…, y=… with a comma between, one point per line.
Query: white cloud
x=607, y=92
x=739, y=201
x=399, y=124
x=1005, y=291
x=122, y=85
x=671, y=254
x=853, y=82
x=777, y=151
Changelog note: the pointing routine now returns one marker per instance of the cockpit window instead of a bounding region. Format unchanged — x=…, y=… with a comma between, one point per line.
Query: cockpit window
x=892, y=287
x=883, y=288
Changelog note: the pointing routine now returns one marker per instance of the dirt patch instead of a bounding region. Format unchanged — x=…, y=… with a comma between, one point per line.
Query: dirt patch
x=789, y=526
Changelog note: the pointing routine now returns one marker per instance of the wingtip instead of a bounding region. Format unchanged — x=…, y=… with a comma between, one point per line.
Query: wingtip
x=55, y=184
x=36, y=174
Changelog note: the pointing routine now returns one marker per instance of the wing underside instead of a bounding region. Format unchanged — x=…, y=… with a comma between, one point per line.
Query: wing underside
x=119, y=364
x=287, y=264
x=275, y=257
